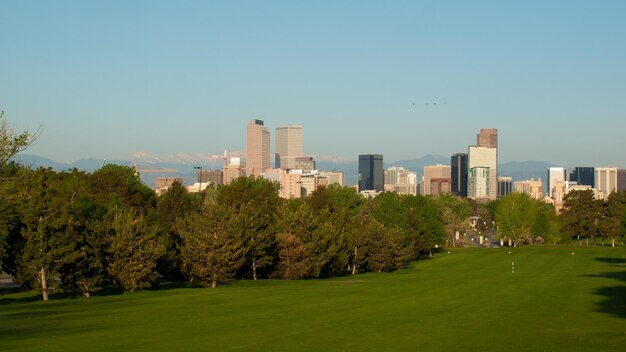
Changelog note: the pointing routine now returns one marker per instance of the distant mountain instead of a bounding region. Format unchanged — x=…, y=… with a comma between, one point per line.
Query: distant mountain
x=524, y=170
x=518, y=170
x=417, y=165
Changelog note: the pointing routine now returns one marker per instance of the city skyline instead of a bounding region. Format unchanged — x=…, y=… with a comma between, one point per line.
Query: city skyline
x=107, y=80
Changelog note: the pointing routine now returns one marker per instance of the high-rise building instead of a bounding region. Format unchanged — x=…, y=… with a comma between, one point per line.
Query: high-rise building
x=488, y=138
x=621, y=180
x=304, y=163
x=233, y=170
x=257, y=148
x=288, y=146
x=400, y=180
x=458, y=175
x=439, y=173
x=332, y=177
x=371, y=173
x=215, y=177
x=505, y=186
x=484, y=155
x=555, y=174
x=606, y=181
x=583, y=176
x=478, y=182
x=531, y=187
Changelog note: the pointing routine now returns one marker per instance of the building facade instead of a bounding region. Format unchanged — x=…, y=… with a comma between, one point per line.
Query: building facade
x=555, y=174
x=458, y=174
x=505, y=186
x=257, y=148
x=584, y=176
x=439, y=172
x=483, y=157
x=371, y=173
x=606, y=181
x=288, y=146
x=531, y=187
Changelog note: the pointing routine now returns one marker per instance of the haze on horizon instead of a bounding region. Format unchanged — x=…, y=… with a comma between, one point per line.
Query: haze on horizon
x=404, y=79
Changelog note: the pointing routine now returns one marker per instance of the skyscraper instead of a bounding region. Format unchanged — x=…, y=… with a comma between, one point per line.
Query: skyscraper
x=288, y=146
x=458, y=174
x=583, y=176
x=505, y=186
x=371, y=173
x=555, y=174
x=440, y=174
x=606, y=181
x=257, y=148
x=484, y=155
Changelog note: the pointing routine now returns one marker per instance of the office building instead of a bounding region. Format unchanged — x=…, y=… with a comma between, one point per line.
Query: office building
x=162, y=184
x=257, y=148
x=583, y=176
x=332, y=177
x=488, y=138
x=371, y=173
x=505, y=186
x=440, y=173
x=400, y=180
x=555, y=174
x=304, y=163
x=484, y=155
x=288, y=146
x=458, y=174
x=606, y=181
x=215, y=177
x=478, y=182
x=621, y=180
x=531, y=187
x=233, y=170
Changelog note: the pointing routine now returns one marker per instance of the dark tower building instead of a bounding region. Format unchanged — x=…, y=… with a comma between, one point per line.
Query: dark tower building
x=371, y=173
x=583, y=176
x=458, y=174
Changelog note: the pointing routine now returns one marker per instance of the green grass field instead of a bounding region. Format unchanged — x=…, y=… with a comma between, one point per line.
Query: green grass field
x=468, y=300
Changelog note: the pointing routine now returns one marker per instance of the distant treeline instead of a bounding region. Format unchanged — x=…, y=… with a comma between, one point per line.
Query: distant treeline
x=80, y=231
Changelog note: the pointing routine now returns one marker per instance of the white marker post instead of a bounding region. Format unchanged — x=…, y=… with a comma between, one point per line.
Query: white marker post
x=512, y=267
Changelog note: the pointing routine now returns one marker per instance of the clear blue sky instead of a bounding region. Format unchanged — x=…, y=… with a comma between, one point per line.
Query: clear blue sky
x=109, y=78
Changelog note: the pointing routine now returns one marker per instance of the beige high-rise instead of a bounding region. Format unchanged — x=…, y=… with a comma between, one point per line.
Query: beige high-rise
x=439, y=173
x=485, y=155
x=257, y=148
x=288, y=146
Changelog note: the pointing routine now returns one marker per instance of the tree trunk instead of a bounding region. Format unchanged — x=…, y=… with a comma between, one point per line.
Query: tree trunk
x=253, y=268
x=587, y=241
x=354, y=264
x=213, y=283
x=612, y=241
x=430, y=252
x=44, y=284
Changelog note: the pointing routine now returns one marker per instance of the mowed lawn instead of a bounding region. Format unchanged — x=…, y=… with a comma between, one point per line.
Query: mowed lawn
x=468, y=300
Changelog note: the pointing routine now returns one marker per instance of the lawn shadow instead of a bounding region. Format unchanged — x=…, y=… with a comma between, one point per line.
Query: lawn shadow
x=613, y=297
x=611, y=260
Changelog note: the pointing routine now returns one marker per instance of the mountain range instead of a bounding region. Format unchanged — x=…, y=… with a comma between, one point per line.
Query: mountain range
x=518, y=170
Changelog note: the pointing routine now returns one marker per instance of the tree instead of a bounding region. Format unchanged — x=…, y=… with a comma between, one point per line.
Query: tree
x=133, y=251
x=578, y=215
x=44, y=213
x=211, y=250
x=515, y=215
x=173, y=206
x=611, y=212
x=455, y=214
x=12, y=142
x=545, y=224
x=254, y=201
x=293, y=259
x=386, y=251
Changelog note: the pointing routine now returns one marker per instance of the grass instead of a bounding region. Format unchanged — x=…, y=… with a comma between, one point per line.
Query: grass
x=468, y=300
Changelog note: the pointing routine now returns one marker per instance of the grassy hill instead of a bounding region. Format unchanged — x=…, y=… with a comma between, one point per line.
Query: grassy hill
x=468, y=300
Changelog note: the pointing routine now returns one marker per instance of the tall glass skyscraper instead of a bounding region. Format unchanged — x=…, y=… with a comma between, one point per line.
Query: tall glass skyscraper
x=458, y=174
x=371, y=173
